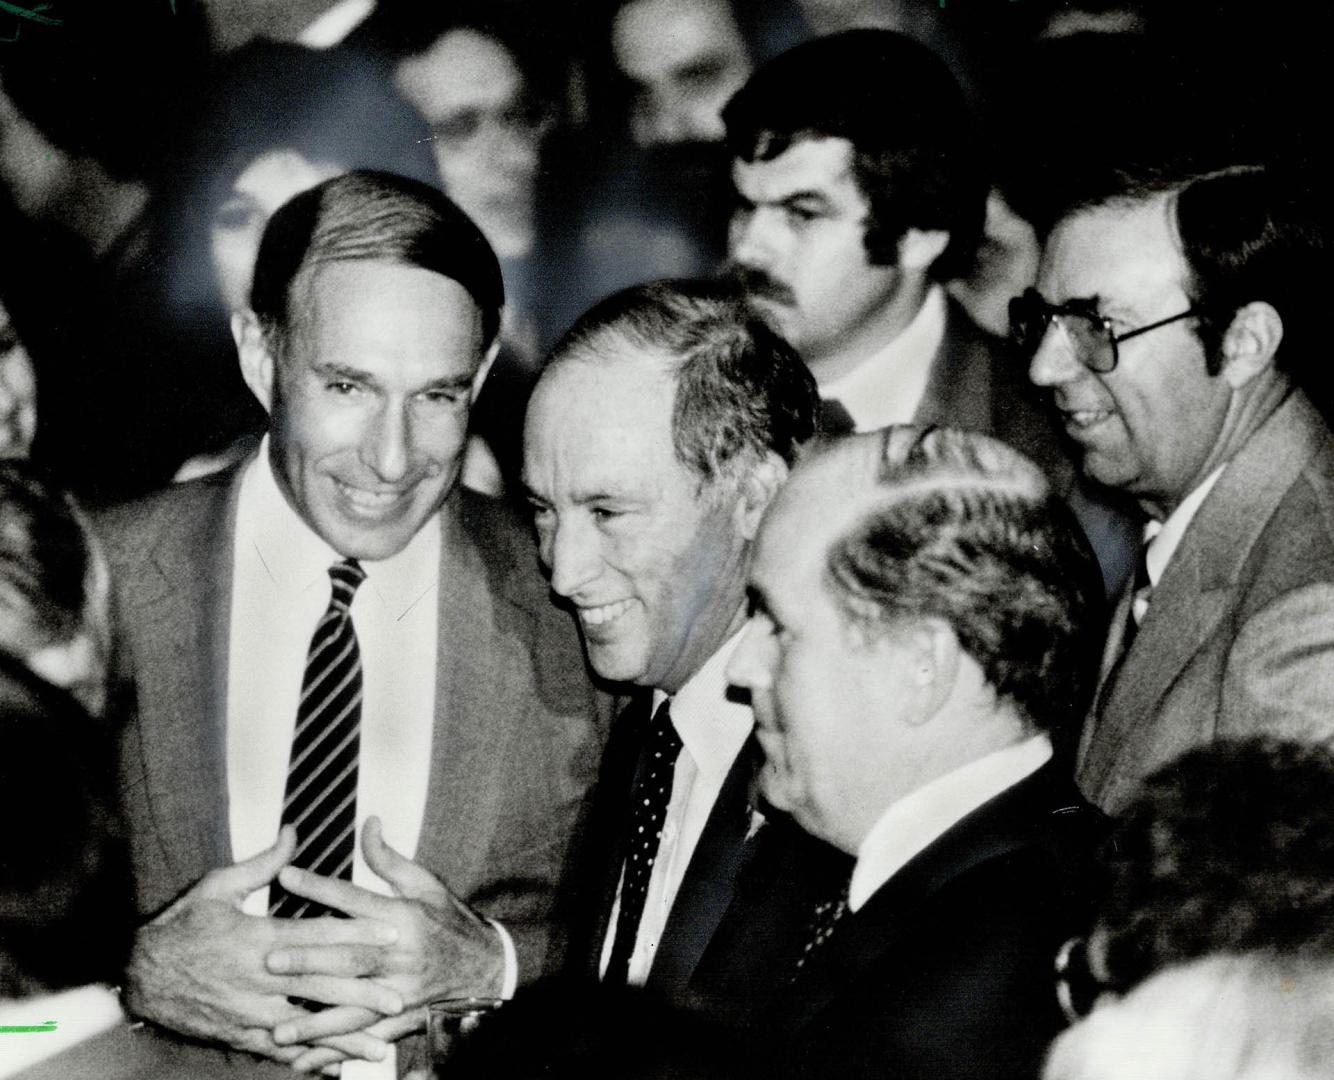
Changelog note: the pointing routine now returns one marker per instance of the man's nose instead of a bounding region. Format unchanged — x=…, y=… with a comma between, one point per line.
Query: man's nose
x=748, y=241
x=749, y=667
x=1055, y=361
x=571, y=553
x=387, y=449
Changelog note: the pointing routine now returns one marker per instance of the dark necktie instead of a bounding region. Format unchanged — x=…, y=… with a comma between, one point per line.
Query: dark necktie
x=824, y=917
x=648, y=811
x=321, y=795
x=835, y=418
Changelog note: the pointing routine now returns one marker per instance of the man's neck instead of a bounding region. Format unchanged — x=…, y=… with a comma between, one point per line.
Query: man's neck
x=861, y=343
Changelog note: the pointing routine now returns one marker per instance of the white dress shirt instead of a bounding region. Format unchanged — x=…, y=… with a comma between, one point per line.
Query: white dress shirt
x=1162, y=539
x=888, y=386
x=280, y=590
x=917, y=820
x=713, y=730
x=78, y=1015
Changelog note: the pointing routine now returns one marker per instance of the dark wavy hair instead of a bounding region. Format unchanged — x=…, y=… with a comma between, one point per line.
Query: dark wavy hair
x=66, y=894
x=914, y=141
x=969, y=531
x=741, y=390
x=1229, y=848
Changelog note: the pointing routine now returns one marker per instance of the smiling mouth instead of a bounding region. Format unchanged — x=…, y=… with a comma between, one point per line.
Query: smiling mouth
x=369, y=501
x=604, y=613
x=1082, y=419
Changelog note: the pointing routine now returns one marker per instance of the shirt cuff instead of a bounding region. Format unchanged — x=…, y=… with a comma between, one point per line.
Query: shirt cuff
x=511, y=978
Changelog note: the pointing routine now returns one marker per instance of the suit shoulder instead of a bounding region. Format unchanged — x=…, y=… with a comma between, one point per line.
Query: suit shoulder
x=1295, y=550
x=126, y=528
x=504, y=542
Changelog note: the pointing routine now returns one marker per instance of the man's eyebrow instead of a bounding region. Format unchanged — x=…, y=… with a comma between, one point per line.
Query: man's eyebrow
x=329, y=370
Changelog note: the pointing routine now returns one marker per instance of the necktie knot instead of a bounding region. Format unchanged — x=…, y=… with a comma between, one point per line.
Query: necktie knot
x=344, y=577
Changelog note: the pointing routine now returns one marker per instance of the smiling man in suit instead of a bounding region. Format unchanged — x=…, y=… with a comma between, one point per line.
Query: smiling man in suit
x=917, y=646
x=1174, y=321
x=353, y=693
x=664, y=423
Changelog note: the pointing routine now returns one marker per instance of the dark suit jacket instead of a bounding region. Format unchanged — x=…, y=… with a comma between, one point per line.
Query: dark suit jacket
x=1239, y=635
x=946, y=972
x=718, y=888
x=516, y=739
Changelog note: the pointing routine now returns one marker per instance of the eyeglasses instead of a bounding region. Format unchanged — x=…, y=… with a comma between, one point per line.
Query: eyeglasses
x=1090, y=333
x=1077, y=987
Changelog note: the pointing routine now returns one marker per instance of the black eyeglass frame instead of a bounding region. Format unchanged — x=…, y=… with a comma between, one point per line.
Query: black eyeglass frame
x=1032, y=307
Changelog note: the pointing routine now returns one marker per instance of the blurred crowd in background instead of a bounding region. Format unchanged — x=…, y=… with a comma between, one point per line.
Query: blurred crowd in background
x=143, y=144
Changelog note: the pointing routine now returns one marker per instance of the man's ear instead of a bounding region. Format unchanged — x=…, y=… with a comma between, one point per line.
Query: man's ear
x=758, y=488
x=252, y=348
x=919, y=248
x=930, y=650
x=1251, y=340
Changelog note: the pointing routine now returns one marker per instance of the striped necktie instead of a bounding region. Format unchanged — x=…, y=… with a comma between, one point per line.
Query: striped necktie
x=321, y=796
x=648, y=811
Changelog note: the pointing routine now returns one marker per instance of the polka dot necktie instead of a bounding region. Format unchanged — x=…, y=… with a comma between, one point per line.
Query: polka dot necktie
x=321, y=794
x=824, y=918
x=647, y=814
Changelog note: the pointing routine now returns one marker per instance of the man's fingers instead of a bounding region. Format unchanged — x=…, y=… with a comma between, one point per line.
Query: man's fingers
x=327, y=930
x=407, y=878
x=329, y=990
x=312, y=1027
x=340, y=895
x=345, y=961
x=388, y=1030
x=234, y=883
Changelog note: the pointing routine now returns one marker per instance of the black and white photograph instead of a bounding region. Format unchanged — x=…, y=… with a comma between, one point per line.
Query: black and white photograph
x=666, y=540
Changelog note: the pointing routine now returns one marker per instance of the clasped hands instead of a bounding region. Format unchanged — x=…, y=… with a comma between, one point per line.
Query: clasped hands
x=206, y=969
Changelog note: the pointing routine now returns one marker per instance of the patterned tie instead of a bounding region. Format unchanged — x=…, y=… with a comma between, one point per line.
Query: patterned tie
x=647, y=813
x=321, y=797
x=824, y=917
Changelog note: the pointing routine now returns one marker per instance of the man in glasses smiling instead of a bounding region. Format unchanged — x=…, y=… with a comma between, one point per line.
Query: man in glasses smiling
x=1169, y=323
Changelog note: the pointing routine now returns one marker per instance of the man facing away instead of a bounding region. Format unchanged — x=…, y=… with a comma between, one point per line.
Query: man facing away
x=664, y=423
x=353, y=694
x=1173, y=324
x=916, y=651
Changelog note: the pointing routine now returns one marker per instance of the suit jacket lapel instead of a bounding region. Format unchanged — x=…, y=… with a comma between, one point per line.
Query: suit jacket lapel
x=710, y=880
x=182, y=669
x=958, y=391
x=1003, y=825
x=1201, y=580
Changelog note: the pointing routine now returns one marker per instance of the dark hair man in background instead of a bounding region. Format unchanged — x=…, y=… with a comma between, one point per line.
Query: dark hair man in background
x=666, y=420
x=918, y=648
x=337, y=634
x=1173, y=324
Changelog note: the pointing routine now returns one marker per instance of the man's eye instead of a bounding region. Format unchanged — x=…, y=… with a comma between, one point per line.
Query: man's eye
x=236, y=215
x=342, y=387
x=798, y=216
x=605, y=513
x=444, y=397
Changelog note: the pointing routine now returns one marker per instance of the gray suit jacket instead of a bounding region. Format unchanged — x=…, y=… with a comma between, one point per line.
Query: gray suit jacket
x=518, y=731
x=1239, y=635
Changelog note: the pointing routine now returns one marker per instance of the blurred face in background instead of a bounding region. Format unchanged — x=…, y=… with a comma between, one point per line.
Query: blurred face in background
x=265, y=184
x=685, y=58
x=18, y=393
x=486, y=132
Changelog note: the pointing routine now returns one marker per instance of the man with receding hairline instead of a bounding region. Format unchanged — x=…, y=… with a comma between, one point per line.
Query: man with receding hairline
x=354, y=696
x=917, y=653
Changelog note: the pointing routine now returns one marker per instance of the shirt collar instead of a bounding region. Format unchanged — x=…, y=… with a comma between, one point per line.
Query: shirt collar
x=917, y=820
x=297, y=558
x=887, y=387
x=713, y=727
x=1164, y=538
